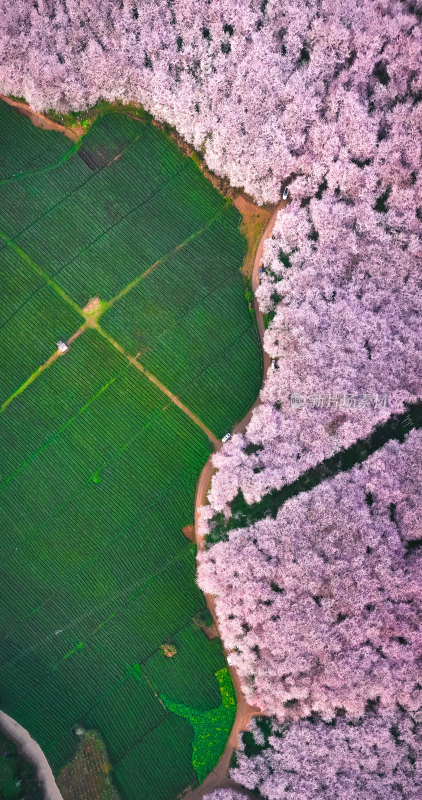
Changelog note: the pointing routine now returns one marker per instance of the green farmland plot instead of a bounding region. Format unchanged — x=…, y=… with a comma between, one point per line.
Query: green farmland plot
x=100, y=552
x=24, y=148
x=98, y=462
x=33, y=318
x=188, y=320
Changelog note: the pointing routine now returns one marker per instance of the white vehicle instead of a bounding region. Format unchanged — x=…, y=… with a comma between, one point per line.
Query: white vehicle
x=226, y=437
x=286, y=192
x=62, y=347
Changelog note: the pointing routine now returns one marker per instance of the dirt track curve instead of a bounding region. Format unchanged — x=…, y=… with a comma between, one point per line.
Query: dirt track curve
x=40, y=120
x=32, y=751
x=218, y=778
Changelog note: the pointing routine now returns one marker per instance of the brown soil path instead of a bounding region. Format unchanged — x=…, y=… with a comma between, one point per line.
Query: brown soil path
x=267, y=233
x=39, y=120
x=218, y=778
x=254, y=220
x=32, y=751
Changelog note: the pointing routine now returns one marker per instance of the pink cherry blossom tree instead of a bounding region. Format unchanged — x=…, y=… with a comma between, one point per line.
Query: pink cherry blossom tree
x=370, y=759
x=320, y=608
x=265, y=90
x=342, y=314
x=226, y=794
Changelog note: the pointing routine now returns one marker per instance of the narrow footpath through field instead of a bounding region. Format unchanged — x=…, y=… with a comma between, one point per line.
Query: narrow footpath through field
x=137, y=364
x=91, y=313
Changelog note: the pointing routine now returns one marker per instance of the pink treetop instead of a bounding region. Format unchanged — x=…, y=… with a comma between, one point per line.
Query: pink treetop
x=372, y=759
x=225, y=794
x=341, y=314
x=267, y=90
x=320, y=608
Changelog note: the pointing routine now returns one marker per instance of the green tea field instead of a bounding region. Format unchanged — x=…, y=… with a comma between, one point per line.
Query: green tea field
x=118, y=246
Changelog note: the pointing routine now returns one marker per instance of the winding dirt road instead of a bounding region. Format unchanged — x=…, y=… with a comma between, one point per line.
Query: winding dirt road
x=32, y=751
x=267, y=233
x=40, y=120
x=218, y=778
